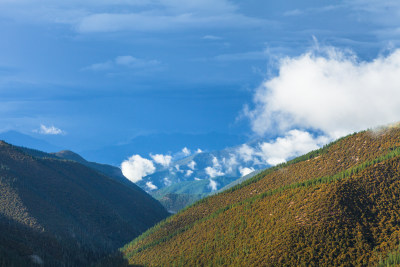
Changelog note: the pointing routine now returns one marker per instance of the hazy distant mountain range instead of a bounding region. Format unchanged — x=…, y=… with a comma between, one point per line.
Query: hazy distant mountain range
x=141, y=145
x=162, y=144
x=189, y=179
x=20, y=139
x=203, y=173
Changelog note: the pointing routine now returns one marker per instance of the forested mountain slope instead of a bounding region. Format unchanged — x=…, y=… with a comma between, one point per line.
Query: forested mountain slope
x=339, y=205
x=108, y=170
x=64, y=212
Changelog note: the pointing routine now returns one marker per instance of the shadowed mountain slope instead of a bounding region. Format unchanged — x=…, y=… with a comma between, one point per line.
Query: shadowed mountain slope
x=339, y=205
x=108, y=170
x=65, y=212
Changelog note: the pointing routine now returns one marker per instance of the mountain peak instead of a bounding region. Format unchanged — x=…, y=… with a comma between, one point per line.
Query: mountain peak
x=68, y=154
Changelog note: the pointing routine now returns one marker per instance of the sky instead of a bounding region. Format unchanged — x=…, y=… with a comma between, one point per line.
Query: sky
x=90, y=74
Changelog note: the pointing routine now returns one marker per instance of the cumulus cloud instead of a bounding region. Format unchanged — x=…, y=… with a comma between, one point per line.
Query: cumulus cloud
x=213, y=185
x=229, y=163
x=246, y=152
x=164, y=160
x=294, y=143
x=215, y=162
x=192, y=165
x=329, y=90
x=213, y=172
x=186, y=151
x=136, y=167
x=49, y=130
x=188, y=173
x=244, y=171
x=151, y=186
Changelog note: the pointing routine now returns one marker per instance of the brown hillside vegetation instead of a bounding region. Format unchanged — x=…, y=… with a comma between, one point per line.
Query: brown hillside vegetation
x=339, y=205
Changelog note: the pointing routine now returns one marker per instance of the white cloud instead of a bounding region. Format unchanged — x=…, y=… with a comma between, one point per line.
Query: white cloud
x=199, y=151
x=244, y=171
x=167, y=181
x=329, y=90
x=197, y=179
x=212, y=172
x=164, y=160
x=295, y=143
x=245, y=152
x=192, y=165
x=151, y=186
x=188, y=173
x=213, y=185
x=177, y=168
x=215, y=162
x=230, y=163
x=49, y=130
x=186, y=151
x=136, y=167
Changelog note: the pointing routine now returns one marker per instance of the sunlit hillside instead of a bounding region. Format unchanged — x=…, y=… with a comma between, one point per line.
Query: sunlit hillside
x=339, y=205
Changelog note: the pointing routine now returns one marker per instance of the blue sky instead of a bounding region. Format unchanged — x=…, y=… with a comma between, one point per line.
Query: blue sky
x=105, y=71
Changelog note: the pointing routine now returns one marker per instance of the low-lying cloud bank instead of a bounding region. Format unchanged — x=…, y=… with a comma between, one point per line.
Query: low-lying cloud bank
x=294, y=143
x=329, y=90
x=136, y=167
x=164, y=160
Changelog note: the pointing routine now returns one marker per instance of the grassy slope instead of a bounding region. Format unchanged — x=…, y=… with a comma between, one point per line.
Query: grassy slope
x=80, y=211
x=339, y=205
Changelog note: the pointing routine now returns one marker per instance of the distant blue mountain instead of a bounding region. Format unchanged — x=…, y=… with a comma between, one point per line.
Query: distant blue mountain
x=24, y=140
x=162, y=143
x=194, y=177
